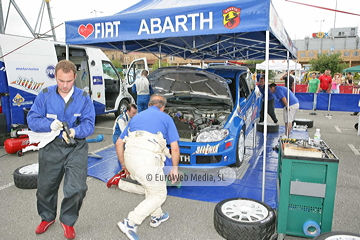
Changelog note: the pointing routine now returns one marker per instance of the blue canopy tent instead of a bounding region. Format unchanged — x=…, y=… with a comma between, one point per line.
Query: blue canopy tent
x=192, y=29
x=212, y=29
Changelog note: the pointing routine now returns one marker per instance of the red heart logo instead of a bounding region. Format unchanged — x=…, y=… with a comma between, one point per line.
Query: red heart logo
x=86, y=31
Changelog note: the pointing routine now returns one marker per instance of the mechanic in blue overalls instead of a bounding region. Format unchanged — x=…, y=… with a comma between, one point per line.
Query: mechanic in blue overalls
x=120, y=124
x=146, y=150
x=59, y=159
x=122, y=121
x=143, y=90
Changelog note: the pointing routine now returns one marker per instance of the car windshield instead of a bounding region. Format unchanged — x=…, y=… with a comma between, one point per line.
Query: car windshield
x=193, y=101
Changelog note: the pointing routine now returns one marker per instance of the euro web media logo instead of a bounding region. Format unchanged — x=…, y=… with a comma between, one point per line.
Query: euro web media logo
x=218, y=177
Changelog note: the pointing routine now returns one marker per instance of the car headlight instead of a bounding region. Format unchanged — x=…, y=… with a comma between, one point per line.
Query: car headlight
x=212, y=135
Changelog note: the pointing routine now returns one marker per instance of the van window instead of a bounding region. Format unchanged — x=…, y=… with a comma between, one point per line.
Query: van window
x=109, y=71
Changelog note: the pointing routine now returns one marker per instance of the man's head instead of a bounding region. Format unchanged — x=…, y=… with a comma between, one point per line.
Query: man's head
x=131, y=110
x=65, y=73
x=272, y=87
x=158, y=101
x=313, y=75
x=144, y=73
x=349, y=73
x=327, y=72
x=262, y=81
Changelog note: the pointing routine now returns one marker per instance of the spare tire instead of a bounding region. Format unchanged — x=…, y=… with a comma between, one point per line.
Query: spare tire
x=271, y=127
x=244, y=219
x=25, y=177
x=301, y=121
x=338, y=235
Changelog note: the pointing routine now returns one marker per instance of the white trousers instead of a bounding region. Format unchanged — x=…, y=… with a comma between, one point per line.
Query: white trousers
x=144, y=159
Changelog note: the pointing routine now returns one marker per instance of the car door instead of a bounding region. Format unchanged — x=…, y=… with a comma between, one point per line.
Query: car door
x=134, y=72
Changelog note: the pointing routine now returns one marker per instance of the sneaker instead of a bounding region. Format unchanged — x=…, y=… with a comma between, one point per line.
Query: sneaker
x=155, y=222
x=354, y=114
x=115, y=179
x=43, y=226
x=69, y=231
x=129, y=230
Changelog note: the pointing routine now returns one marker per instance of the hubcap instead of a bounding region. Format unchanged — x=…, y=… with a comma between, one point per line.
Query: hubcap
x=241, y=149
x=342, y=237
x=244, y=210
x=30, y=169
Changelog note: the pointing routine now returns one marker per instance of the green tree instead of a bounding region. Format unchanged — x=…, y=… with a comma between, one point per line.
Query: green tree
x=252, y=64
x=117, y=63
x=156, y=65
x=332, y=62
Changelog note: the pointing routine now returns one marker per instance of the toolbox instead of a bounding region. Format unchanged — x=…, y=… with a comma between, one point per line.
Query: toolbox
x=306, y=182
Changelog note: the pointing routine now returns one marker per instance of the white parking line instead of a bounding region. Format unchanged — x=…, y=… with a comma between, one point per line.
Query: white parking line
x=103, y=148
x=337, y=129
x=104, y=128
x=6, y=186
x=356, y=151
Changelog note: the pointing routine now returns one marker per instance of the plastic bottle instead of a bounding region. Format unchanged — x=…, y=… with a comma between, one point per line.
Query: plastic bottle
x=317, y=137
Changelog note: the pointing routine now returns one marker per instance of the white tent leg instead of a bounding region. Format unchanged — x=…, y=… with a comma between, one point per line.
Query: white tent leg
x=266, y=91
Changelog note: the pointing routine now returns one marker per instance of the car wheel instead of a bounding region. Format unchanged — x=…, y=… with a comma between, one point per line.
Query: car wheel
x=356, y=126
x=337, y=235
x=244, y=218
x=309, y=123
x=122, y=107
x=25, y=177
x=240, y=149
x=271, y=127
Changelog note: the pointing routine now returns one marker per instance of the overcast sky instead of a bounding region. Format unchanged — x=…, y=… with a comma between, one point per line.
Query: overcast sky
x=300, y=21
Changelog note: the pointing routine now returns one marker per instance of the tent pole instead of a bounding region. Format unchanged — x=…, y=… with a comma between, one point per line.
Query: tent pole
x=159, y=56
x=266, y=90
x=67, y=52
x=288, y=90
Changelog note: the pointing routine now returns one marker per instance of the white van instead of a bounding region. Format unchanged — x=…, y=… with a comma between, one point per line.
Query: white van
x=27, y=66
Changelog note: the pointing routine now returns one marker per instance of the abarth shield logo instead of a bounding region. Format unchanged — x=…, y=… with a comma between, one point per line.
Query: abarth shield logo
x=231, y=17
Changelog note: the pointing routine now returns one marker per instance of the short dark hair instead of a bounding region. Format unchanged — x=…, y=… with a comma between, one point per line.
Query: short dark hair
x=262, y=77
x=66, y=66
x=131, y=105
x=144, y=72
x=272, y=85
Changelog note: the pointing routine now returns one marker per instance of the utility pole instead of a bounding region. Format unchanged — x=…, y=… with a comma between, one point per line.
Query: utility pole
x=39, y=20
x=2, y=29
x=96, y=12
x=320, y=41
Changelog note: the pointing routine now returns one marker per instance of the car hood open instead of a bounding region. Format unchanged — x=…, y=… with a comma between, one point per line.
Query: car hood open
x=190, y=83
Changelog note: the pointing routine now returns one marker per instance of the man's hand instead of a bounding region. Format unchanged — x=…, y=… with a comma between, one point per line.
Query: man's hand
x=174, y=174
x=56, y=125
x=65, y=137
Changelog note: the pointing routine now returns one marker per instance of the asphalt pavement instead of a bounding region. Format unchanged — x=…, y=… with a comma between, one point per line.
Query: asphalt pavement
x=189, y=219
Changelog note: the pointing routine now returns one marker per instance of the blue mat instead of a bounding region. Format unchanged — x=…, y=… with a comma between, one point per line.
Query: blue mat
x=250, y=186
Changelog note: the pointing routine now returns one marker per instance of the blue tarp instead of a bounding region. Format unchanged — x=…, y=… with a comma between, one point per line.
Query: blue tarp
x=212, y=29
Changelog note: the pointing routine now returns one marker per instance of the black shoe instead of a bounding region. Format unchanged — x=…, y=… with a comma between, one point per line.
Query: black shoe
x=353, y=114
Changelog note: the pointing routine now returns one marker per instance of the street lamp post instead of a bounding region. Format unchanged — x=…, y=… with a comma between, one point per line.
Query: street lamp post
x=96, y=12
x=320, y=41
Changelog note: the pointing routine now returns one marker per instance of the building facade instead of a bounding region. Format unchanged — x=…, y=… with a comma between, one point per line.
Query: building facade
x=337, y=40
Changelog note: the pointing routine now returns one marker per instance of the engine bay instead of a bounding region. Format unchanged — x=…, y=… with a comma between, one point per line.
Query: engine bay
x=191, y=121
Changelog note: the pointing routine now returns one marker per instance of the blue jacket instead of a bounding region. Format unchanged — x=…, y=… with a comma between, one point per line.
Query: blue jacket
x=117, y=128
x=78, y=112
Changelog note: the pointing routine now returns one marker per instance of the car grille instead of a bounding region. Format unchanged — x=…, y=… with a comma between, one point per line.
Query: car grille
x=208, y=159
